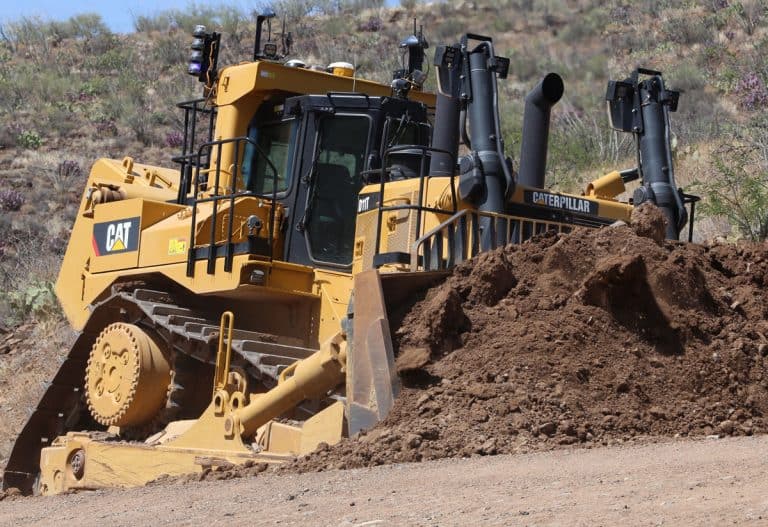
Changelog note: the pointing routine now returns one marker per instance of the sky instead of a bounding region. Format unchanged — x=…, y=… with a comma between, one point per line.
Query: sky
x=117, y=14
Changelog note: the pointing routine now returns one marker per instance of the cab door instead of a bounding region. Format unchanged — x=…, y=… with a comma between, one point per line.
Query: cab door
x=326, y=205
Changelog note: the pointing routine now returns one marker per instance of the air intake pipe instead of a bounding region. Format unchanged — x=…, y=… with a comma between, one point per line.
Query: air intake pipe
x=642, y=108
x=656, y=162
x=533, y=150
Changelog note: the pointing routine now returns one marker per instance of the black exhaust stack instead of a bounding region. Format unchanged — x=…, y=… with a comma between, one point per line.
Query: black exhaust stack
x=533, y=150
x=642, y=108
x=448, y=62
x=485, y=179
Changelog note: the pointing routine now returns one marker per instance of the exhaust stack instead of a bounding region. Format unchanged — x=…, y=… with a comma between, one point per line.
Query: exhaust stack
x=485, y=178
x=533, y=151
x=448, y=63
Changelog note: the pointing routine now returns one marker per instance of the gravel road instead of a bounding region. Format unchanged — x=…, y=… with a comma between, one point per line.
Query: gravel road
x=704, y=482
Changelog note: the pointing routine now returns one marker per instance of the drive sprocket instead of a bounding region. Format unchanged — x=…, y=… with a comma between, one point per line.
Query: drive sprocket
x=127, y=377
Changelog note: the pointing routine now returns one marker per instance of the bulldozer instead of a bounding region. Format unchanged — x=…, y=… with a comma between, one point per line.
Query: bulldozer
x=235, y=309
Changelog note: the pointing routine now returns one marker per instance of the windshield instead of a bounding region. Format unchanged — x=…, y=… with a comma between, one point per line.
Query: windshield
x=275, y=141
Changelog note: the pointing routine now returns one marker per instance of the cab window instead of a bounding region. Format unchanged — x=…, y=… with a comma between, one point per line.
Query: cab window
x=336, y=182
x=405, y=132
x=275, y=142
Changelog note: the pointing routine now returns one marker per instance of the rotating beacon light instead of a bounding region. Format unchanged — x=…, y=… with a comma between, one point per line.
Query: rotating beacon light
x=204, y=55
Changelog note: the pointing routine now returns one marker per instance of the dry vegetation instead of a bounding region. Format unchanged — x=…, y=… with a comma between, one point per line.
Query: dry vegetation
x=73, y=91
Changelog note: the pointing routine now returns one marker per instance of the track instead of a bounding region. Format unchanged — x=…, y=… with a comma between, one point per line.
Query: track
x=184, y=330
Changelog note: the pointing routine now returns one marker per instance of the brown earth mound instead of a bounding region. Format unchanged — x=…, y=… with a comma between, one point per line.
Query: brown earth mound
x=598, y=336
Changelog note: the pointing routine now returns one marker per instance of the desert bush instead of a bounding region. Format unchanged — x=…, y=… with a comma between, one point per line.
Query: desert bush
x=373, y=24
x=94, y=86
x=36, y=38
x=688, y=29
x=30, y=36
x=11, y=200
x=104, y=127
x=170, y=52
x=350, y=6
x=222, y=18
x=8, y=137
x=88, y=29
x=588, y=24
x=686, y=76
x=751, y=91
x=750, y=14
x=67, y=172
x=174, y=139
x=449, y=30
x=582, y=144
x=523, y=64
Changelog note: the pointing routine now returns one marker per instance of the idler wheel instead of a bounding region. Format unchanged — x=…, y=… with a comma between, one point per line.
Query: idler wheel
x=127, y=378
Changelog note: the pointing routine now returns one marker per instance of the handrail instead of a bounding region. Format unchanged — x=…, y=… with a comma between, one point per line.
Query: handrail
x=215, y=197
x=187, y=159
x=461, y=233
x=422, y=175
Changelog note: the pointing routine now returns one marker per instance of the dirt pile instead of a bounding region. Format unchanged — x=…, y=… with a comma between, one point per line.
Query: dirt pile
x=595, y=337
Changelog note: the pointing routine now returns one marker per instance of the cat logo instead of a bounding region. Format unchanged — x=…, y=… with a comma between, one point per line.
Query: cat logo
x=116, y=236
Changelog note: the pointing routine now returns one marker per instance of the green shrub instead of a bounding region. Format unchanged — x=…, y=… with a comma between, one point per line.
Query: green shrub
x=116, y=59
x=750, y=14
x=149, y=24
x=169, y=52
x=738, y=187
x=686, y=76
x=29, y=139
x=688, y=30
x=586, y=25
x=37, y=300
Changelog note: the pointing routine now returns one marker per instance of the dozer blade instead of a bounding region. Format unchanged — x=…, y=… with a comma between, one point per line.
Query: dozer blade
x=372, y=382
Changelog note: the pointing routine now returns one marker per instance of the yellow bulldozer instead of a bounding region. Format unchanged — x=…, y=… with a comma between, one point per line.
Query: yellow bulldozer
x=235, y=309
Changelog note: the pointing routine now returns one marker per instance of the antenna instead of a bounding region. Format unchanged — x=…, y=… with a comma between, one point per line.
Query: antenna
x=354, y=71
x=286, y=39
x=415, y=44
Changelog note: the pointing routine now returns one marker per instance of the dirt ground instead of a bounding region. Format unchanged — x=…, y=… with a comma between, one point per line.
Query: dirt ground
x=684, y=482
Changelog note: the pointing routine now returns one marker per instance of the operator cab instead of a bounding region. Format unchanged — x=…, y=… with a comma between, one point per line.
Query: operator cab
x=311, y=154
x=324, y=148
